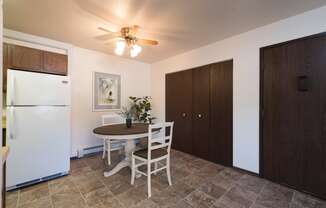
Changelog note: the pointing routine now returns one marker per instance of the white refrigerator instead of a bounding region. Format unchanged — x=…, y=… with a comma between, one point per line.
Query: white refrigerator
x=38, y=127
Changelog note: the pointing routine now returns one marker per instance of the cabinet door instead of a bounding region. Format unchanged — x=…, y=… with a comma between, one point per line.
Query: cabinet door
x=201, y=114
x=55, y=63
x=179, y=108
x=221, y=116
x=25, y=58
x=5, y=66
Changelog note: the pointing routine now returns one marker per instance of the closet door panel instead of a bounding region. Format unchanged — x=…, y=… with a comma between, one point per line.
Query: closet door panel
x=221, y=116
x=294, y=121
x=179, y=108
x=201, y=111
x=314, y=118
x=282, y=127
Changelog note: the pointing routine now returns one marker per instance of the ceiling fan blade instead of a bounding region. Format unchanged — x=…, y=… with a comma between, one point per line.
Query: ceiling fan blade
x=147, y=42
x=106, y=36
x=106, y=30
x=113, y=40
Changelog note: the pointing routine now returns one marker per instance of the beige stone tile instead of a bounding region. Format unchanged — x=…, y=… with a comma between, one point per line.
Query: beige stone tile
x=33, y=193
x=181, y=189
x=166, y=198
x=212, y=190
x=117, y=184
x=251, y=183
x=77, y=164
x=147, y=203
x=194, y=180
x=209, y=171
x=12, y=199
x=301, y=200
x=200, y=199
x=95, y=162
x=67, y=198
x=223, y=182
x=44, y=202
x=70, y=204
x=108, y=203
x=236, y=197
x=98, y=196
x=231, y=174
x=80, y=171
x=275, y=196
x=89, y=185
x=133, y=196
x=181, y=204
x=61, y=185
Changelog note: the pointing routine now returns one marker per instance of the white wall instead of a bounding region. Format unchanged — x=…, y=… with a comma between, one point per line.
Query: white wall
x=135, y=81
x=244, y=50
x=1, y=52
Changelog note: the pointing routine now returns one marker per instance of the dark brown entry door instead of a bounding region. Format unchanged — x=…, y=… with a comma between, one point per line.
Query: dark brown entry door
x=201, y=113
x=294, y=114
x=221, y=117
x=179, y=108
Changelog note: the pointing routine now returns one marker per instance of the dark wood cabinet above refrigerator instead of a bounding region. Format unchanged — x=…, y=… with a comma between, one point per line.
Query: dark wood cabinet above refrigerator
x=34, y=60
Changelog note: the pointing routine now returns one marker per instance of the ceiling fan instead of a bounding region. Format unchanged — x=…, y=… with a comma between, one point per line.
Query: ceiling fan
x=127, y=37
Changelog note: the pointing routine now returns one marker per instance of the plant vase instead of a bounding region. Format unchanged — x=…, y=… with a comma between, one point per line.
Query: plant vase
x=128, y=122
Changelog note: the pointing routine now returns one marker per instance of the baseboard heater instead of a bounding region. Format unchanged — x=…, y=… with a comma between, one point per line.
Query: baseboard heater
x=33, y=182
x=96, y=149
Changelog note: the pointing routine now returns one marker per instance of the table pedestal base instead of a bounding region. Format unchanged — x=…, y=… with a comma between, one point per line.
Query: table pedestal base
x=129, y=148
x=124, y=163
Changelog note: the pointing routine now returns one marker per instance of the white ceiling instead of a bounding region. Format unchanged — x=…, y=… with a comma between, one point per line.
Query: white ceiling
x=179, y=25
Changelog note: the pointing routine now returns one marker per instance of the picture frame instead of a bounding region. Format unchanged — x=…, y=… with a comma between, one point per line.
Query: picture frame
x=106, y=91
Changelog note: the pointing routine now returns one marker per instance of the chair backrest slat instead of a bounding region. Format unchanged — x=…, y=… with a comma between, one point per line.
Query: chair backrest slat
x=163, y=136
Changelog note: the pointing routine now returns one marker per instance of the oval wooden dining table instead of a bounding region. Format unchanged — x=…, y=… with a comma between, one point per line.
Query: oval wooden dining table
x=121, y=132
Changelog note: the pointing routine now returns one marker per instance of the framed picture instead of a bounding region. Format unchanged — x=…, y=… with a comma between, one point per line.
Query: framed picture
x=106, y=91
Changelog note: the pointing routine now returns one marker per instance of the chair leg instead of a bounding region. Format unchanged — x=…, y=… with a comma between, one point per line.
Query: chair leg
x=155, y=167
x=133, y=170
x=149, y=187
x=104, y=148
x=109, y=151
x=168, y=173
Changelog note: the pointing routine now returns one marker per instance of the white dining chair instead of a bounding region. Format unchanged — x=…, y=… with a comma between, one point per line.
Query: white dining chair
x=158, y=149
x=109, y=144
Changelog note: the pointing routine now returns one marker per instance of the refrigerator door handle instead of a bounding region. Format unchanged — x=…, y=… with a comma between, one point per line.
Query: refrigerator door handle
x=12, y=88
x=11, y=123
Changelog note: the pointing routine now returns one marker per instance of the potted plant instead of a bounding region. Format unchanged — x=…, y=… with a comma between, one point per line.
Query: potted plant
x=127, y=113
x=141, y=107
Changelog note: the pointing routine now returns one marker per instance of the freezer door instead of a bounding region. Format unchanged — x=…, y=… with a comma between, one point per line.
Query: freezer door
x=39, y=141
x=29, y=88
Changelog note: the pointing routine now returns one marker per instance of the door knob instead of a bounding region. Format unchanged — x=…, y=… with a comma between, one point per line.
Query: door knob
x=200, y=116
x=184, y=114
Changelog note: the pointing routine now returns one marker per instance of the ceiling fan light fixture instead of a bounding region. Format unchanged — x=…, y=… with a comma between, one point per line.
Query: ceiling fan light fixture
x=135, y=50
x=120, y=47
x=119, y=51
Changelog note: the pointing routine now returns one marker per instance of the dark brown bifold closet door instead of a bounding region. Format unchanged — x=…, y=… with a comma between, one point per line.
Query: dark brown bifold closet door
x=294, y=114
x=201, y=113
x=179, y=108
x=221, y=117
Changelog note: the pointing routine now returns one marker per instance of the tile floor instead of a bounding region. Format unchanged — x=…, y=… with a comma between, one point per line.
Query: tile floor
x=196, y=183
